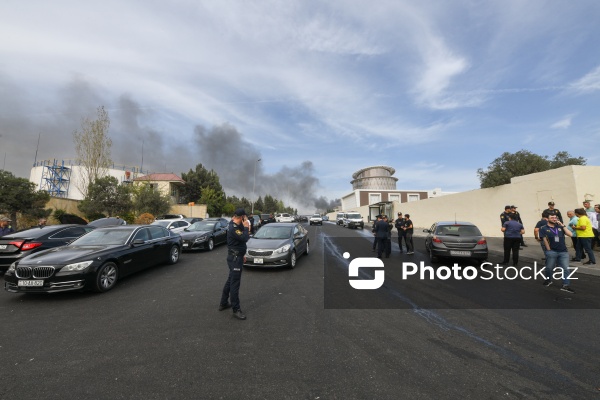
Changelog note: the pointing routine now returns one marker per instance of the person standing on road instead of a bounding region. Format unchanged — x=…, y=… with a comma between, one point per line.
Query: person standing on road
x=573, y=219
x=5, y=227
x=513, y=232
x=504, y=216
x=536, y=230
x=551, y=210
x=381, y=234
x=513, y=209
x=408, y=231
x=585, y=234
x=237, y=236
x=388, y=241
x=399, y=223
x=553, y=237
x=377, y=218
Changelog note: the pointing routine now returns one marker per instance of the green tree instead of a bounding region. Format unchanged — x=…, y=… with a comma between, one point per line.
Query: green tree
x=259, y=205
x=196, y=181
x=214, y=200
x=523, y=162
x=270, y=204
x=93, y=149
x=146, y=199
x=18, y=195
x=106, y=197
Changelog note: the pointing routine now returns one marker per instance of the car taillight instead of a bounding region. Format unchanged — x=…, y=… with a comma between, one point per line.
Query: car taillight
x=26, y=246
x=482, y=241
x=436, y=239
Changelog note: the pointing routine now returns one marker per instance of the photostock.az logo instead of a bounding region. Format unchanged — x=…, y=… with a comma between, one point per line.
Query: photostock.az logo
x=365, y=262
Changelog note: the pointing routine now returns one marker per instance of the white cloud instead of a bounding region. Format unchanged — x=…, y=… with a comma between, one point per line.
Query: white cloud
x=563, y=123
x=589, y=83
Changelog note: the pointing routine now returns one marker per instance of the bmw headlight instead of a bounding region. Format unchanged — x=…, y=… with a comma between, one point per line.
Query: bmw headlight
x=12, y=267
x=201, y=239
x=80, y=266
x=282, y=249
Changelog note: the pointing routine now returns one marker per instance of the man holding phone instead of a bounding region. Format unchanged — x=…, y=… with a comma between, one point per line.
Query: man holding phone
x=237, y=236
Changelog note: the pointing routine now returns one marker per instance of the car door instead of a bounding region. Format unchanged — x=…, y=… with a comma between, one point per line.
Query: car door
x=220, y=231
x=299, y=240
x=429, y=237
x=161, y=244
x=139, y=255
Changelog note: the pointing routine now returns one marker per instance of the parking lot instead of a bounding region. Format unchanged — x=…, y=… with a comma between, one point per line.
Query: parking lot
x=158, y=335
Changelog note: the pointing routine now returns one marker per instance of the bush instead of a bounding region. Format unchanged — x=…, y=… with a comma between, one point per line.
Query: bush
x=145, y=219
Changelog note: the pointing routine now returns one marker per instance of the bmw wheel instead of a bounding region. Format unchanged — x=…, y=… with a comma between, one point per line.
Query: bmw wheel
x=307, y=248
x=106, y=277
x=292, y=260
x=211, y=244
x=174, y=254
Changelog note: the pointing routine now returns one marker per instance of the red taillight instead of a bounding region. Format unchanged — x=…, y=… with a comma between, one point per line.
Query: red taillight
x=436, y=239
x=482, y=241
x=26, y=246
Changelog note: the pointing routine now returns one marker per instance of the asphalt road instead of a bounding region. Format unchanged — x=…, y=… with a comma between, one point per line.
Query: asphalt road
x=158, y=335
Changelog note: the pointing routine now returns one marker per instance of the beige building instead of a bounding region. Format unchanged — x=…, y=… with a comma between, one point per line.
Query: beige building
x=166, y=183
x=567, y=187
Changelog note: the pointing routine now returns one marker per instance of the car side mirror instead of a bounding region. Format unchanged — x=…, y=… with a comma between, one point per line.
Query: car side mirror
x=426, y=230
x=137, y=242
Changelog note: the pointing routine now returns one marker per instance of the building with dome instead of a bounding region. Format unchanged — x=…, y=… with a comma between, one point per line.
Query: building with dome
x=376, y=184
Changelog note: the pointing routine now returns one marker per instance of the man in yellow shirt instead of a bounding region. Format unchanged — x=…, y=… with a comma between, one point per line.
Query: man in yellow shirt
x=585, y=234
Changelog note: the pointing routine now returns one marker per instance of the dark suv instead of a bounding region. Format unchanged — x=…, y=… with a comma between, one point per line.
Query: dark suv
x=266, y=218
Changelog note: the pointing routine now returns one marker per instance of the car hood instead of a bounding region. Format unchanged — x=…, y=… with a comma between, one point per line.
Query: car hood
x=192, y=234
x=270, y=244
x=65, y=254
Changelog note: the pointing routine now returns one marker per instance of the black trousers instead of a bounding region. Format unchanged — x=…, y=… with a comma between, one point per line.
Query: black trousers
x=231, y=290
x=381, y=245
x=402, y=238
x=511, y=244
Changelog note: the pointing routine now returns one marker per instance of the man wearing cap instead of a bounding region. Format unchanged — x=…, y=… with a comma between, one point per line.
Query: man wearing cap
x=399, y=223
x=553, y=211
x=237, y=236
x=380, y=230
x=504, y=215
x=5, y=227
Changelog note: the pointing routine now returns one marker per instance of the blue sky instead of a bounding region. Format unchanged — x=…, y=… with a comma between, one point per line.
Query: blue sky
x=434, y=89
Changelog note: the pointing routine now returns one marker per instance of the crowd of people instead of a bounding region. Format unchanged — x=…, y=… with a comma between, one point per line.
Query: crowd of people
x=382, y=230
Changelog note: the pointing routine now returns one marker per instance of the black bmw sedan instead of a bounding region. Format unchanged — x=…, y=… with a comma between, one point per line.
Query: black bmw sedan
x=95, y=261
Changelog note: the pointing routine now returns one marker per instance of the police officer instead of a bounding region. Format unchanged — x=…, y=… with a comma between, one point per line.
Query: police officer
x=381, y=235
x=554, y=211
x=5, y=227
x=504, y=215
x=399, y=223
x=237, y=236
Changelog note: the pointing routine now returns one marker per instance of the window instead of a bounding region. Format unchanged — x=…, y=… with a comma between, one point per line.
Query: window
x=394, y=197
x=142, y=234
x=414, y=197
x=157, y=232
x=70, y=233
x=374, y=198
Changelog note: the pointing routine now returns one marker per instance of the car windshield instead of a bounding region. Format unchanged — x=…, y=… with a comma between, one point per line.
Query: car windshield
x=458, y=230
x=201, y=226
x=274, y=232
x=316, y=216
x=285, y=215
x=103, y=237
x=354, y=216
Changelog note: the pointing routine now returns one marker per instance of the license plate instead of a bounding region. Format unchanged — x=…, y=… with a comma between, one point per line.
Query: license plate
x=460, y=253
x=258, y=261
x=31, y=283
x=2, y=246
x=185, y=245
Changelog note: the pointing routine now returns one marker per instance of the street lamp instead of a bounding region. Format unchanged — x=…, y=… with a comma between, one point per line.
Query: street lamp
x=254, y=186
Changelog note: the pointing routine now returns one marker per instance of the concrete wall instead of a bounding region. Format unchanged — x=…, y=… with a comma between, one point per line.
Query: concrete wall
x=195, y=211
x=566, y=186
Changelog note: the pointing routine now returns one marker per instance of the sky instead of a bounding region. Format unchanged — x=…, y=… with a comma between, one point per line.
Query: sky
x=314, y=89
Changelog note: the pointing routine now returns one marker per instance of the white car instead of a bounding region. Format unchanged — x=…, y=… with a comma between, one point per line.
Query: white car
x=285, y=217
x=316, y=219
x=174, y=225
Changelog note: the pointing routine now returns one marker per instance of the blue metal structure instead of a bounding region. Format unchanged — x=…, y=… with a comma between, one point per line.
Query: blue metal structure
x=56, y=179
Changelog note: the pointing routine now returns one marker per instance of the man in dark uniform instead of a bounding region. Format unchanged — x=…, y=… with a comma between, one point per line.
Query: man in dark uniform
x=237, y=236
x=381, y=235
x=388, y=241
x=504, y=215
x=399, y=223
x=377, y=218
x=553, y=211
